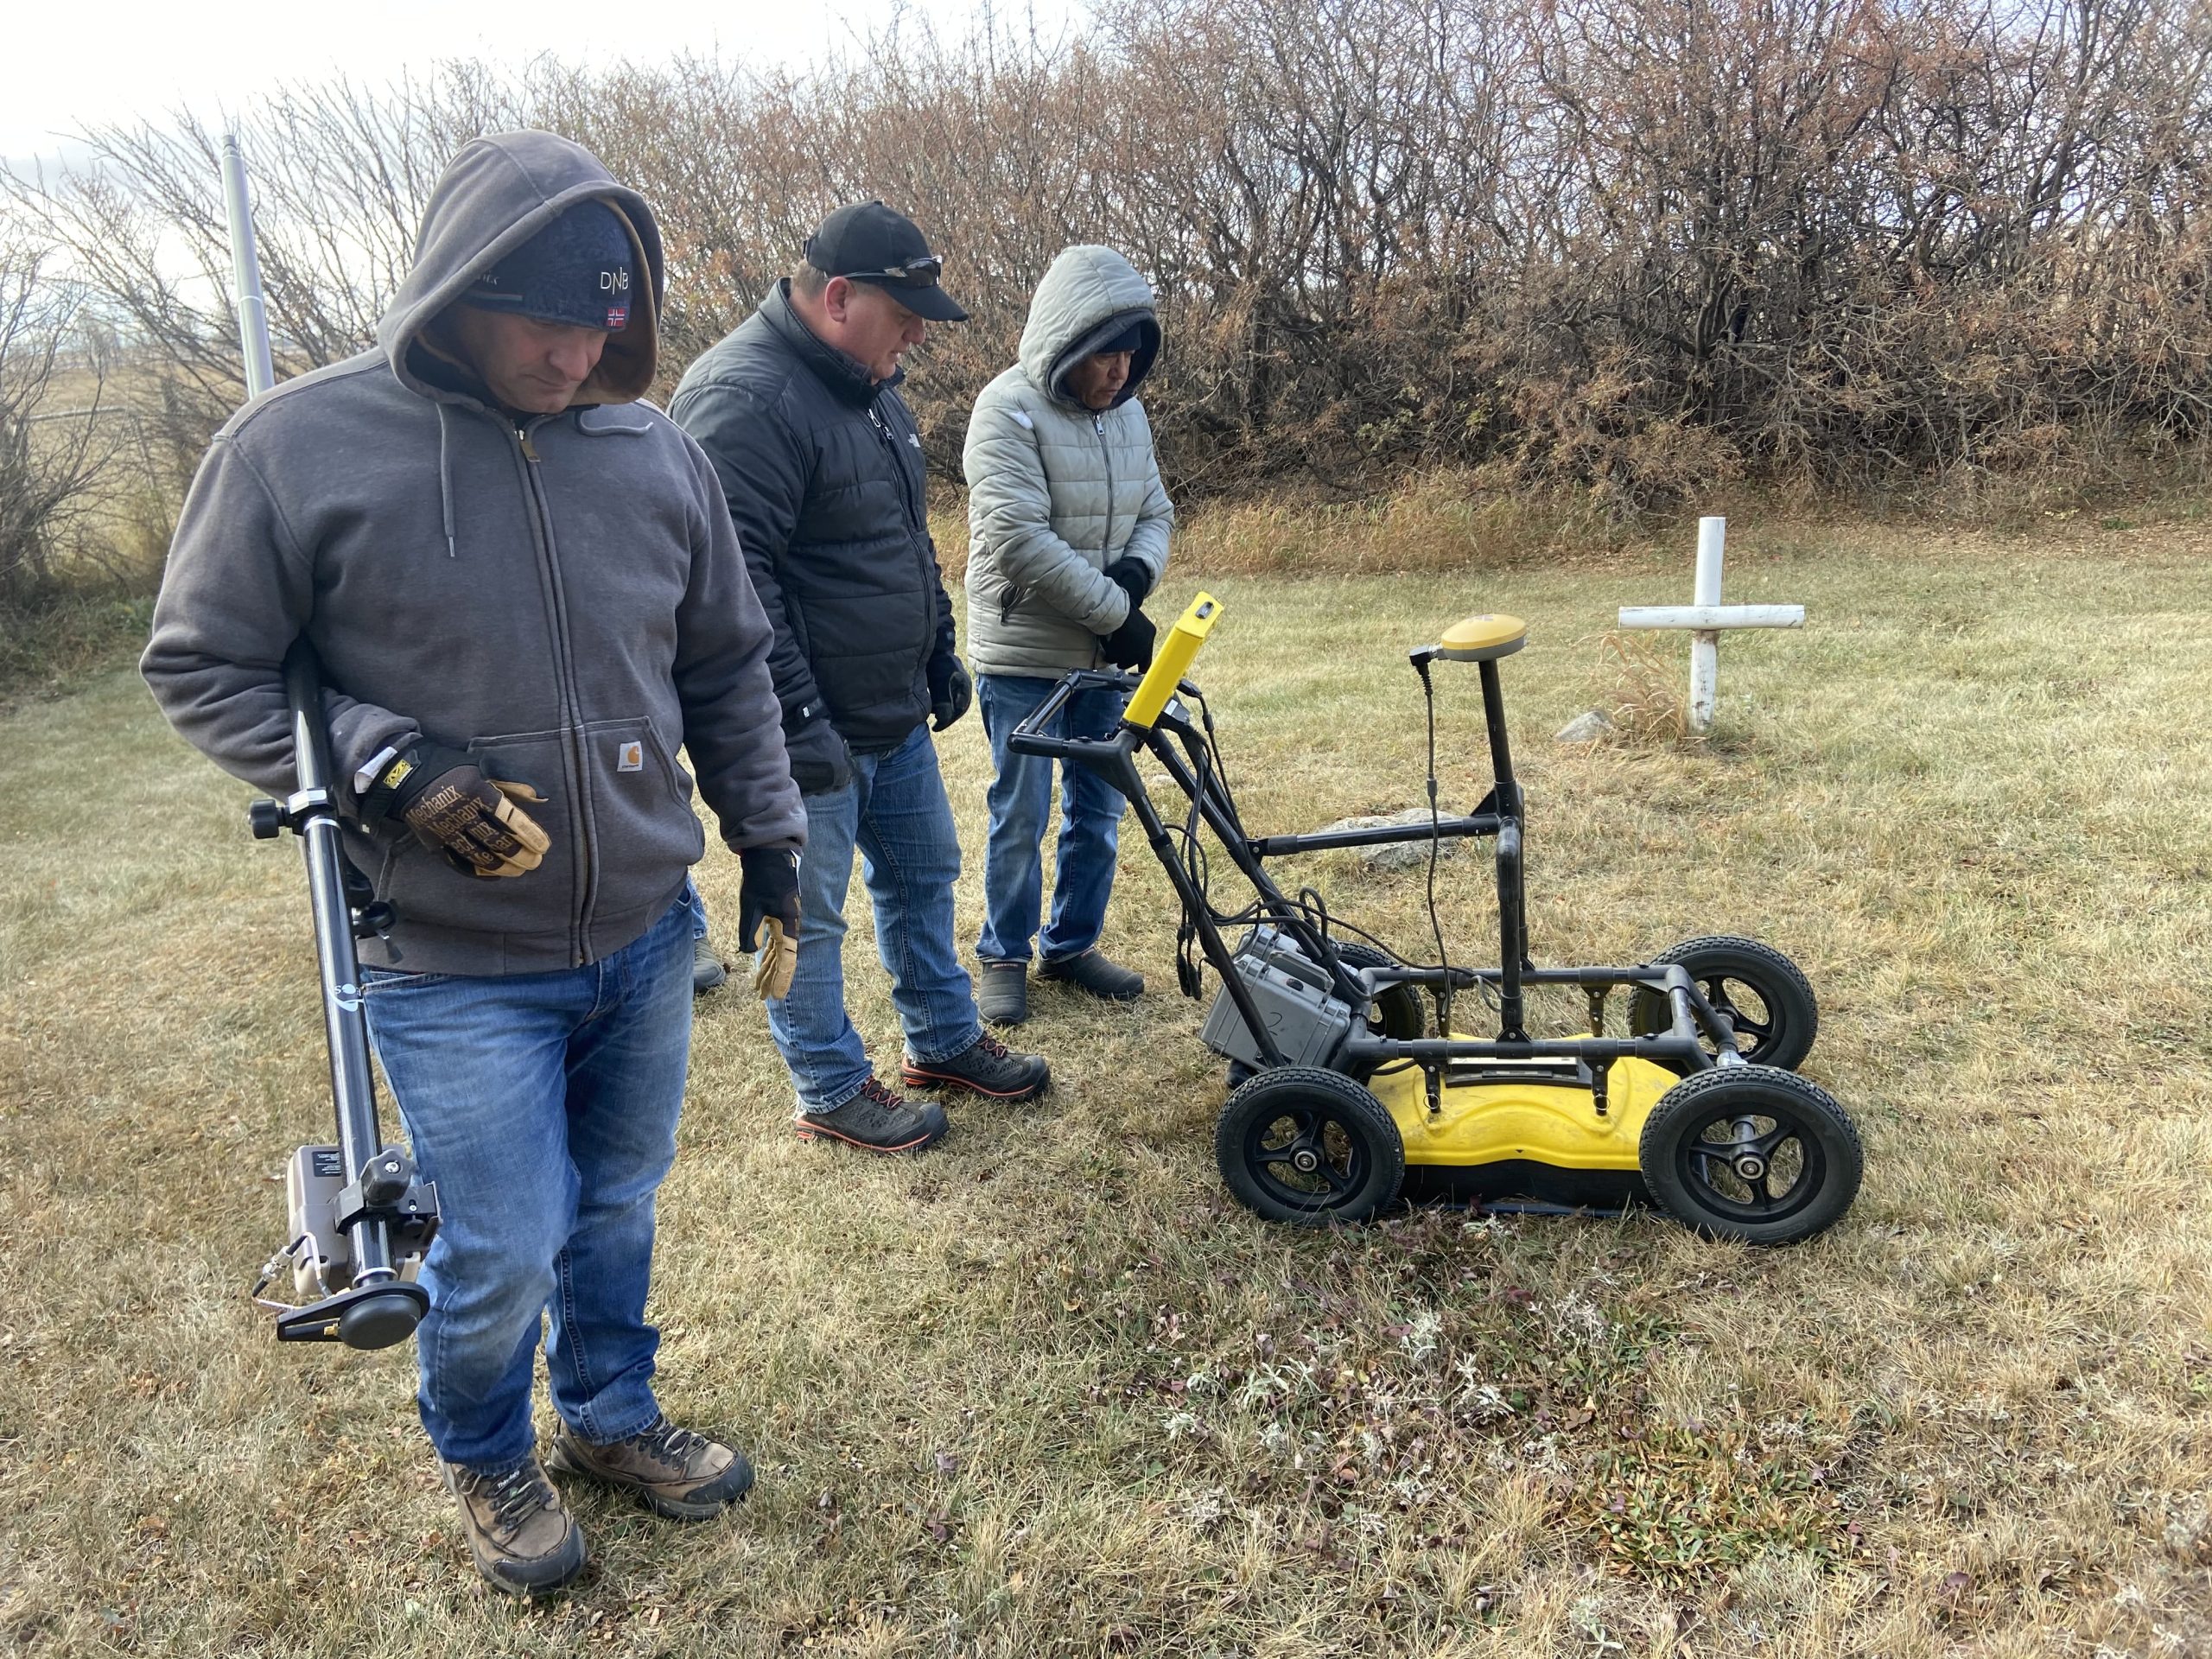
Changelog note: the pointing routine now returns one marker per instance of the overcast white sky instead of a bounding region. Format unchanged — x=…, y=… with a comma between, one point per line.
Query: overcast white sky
x=84, y=61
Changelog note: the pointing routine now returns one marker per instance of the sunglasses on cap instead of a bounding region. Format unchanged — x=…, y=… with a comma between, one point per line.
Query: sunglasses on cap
x=921, y=271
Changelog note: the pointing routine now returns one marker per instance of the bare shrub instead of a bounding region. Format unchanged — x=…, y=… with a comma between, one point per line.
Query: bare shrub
x=1631, y=250
x=54, y=447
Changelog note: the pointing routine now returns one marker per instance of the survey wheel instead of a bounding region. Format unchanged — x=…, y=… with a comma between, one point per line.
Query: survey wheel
x=1760, y=990
x=1398, y=1012
x=1751, y=1152
x=1308, y=1146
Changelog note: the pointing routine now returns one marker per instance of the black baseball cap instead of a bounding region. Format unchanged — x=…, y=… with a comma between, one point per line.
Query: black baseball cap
x=869, y=243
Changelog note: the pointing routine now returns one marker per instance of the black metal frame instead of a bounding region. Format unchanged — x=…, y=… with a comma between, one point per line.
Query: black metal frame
x=386, y=1211
x=1181, y=750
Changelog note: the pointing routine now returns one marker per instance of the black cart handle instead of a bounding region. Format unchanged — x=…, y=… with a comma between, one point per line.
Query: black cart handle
x=1030, y=737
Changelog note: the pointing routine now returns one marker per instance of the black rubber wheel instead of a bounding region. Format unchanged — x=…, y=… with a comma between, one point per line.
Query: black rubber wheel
x=1398, y=1012
x=1751, y=1152
x=1309, y=1147
x=1769, y=1002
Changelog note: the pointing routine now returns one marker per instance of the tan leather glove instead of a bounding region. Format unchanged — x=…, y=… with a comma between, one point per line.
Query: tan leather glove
x=472, y=821
x=767, y=917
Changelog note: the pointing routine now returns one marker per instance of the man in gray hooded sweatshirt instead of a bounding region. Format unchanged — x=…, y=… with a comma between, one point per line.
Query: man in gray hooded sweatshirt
x=524, y=591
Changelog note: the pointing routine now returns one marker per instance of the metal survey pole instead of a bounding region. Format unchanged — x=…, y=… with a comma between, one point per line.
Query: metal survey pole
x=375, y=1308
x=245, y=266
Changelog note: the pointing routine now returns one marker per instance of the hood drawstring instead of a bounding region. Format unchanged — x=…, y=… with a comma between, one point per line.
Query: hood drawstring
x=445, y=481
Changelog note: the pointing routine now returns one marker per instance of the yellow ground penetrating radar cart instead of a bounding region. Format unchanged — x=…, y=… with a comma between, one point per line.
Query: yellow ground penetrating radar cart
x=1344, y=1096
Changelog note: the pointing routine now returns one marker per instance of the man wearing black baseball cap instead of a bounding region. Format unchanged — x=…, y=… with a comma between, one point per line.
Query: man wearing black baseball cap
x=799, y=410
x=869, y=243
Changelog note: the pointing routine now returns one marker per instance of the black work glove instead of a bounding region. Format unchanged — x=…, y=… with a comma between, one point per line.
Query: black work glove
x=1132, y=576
x=950, y=690
x=820, y=761
x=471, y=820
x=767, y=917
x=1130, y=645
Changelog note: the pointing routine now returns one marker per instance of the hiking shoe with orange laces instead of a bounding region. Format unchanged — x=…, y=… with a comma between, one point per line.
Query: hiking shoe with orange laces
x=986, y=1066
x=876, y=1120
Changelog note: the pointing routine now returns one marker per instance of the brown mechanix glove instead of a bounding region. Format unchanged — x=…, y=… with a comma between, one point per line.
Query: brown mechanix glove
x=442, y=794
x=767, y=917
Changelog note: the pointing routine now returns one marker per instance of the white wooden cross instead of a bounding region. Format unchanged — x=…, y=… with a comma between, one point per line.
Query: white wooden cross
x=1705, y=617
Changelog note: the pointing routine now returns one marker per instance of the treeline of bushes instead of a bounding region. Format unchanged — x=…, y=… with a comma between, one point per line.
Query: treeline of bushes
x=1635, y=249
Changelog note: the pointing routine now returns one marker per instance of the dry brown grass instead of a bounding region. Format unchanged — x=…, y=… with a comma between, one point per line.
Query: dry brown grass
x=1045, y=1391
x=1644, y=694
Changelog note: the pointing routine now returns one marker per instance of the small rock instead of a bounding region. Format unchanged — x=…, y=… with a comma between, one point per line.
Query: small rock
x=1585, y=728
x=1396, y=856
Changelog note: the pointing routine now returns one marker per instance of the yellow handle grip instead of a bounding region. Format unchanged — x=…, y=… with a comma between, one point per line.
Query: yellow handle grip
x=1168, y=662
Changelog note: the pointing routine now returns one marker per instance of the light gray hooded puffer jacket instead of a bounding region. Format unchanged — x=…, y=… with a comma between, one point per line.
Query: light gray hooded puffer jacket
x=1055, y=492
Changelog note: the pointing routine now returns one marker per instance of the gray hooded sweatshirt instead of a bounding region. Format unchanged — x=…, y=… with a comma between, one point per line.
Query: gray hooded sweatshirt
x=1056, y=492
x=561, y=595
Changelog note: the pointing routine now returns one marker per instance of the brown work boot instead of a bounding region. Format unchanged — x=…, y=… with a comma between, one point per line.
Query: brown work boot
x=680, y=1474
x=524, y=1540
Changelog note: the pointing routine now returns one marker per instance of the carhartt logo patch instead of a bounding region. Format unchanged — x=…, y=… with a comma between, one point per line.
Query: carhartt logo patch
x=632, y=756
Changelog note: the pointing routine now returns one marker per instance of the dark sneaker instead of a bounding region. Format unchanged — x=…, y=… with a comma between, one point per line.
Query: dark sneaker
x=986, y=1066
x=876, y=1120
x=678, y=1473
x=524, y=1540
x=1096, y=974
x=707, y=969
x=1003, y=997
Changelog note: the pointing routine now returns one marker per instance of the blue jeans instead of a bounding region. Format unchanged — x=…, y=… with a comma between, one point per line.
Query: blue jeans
x=1021, y=804
x=895, y=812
x=697, y=903
x=544, y=1107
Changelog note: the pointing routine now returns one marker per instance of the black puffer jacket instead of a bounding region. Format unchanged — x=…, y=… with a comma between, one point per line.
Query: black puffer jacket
x=825, y=479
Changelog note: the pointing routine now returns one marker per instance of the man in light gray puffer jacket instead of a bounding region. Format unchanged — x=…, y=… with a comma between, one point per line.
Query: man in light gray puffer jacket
x=1068, y=528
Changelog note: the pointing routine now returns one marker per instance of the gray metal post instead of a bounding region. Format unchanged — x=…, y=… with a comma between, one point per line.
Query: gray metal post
x=245, y=267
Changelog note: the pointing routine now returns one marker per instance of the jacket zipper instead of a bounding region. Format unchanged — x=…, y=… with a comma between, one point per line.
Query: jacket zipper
x=917, y=536
x=1099, y=425
x=1106, y=455
x=564, y=665
x=898, y=462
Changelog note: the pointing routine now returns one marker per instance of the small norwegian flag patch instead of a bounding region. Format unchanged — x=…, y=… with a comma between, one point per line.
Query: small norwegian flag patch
x=618, y=316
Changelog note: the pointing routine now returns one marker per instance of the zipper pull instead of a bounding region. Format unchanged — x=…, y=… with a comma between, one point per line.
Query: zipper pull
x=1098, y=424
x=522, y=437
